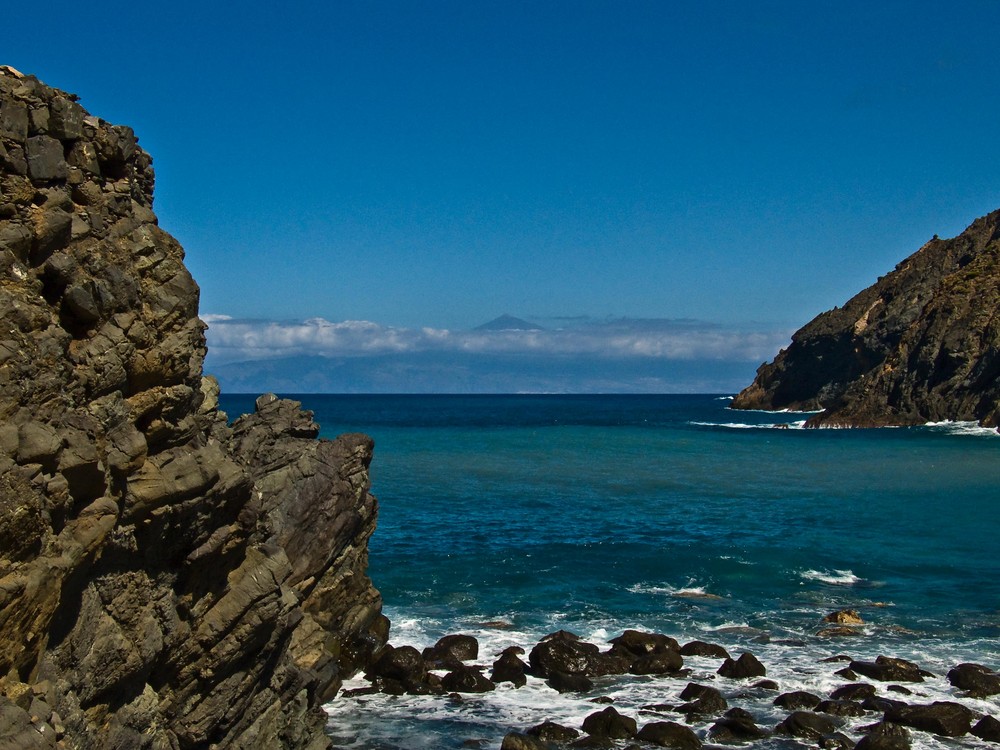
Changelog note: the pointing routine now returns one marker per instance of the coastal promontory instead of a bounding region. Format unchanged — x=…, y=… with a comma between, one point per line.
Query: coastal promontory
x=167, y=579
x=920, y=345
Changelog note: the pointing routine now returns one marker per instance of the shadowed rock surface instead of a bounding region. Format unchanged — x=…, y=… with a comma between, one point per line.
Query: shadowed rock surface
x=922, y=344
x=166, y=580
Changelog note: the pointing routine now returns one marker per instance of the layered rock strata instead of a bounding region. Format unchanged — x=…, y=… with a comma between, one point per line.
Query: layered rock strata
x=166, y=580
x=922, y=344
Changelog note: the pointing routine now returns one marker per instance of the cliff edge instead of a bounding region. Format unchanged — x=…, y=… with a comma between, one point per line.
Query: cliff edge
x=166, y=580
x=920, y=345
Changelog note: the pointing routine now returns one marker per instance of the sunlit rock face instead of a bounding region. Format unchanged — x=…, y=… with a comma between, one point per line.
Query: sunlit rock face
x=920, y=345
x=166, y=580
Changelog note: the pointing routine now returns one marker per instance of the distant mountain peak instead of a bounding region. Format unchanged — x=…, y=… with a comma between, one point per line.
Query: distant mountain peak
x=508, y=323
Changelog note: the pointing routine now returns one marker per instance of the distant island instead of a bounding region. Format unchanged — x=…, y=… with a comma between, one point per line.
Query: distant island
x=920, y=345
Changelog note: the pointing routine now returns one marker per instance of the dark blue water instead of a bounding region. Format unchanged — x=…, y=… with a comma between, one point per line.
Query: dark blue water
x=675, y=514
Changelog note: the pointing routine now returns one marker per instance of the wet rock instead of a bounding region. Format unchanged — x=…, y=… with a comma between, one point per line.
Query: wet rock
x=702, y=699
x=835, y=741
x=701, y=648
x=510, y=668
x=552, y=732
x=610, y=723
x=657, y=663
x=987, y=728
x=844, y=617
x=888, y=669
x=766, y=685
x=569, y=683
x=885, y=736
x=519, y=741
x=640, y=643
x=466, y=680
x=797, y=699
x=855, y=692
x=807, y=725
x=945, y=718
x=839, y=708
x=669, y=734
x=450, y=651
x=746, y=666
x=563, y=652
x=978, y=680
x=736, y=727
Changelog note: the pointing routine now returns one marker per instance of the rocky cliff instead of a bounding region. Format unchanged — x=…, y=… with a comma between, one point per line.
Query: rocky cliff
x=922, y=344
x=166, y=580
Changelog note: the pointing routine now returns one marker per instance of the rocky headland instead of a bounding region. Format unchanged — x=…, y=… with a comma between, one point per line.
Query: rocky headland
x=920, y=345
x=167, y=580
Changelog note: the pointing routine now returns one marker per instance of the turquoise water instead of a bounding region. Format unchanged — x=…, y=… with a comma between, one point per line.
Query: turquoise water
x=666, y=513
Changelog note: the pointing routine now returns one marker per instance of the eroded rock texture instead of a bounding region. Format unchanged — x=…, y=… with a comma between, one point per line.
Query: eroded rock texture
x=922, y=344
x=166, y=580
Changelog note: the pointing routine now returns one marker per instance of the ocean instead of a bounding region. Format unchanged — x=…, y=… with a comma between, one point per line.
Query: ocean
x=510, y=517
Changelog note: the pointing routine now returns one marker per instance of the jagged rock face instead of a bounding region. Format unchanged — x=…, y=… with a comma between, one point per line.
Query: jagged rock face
x=166, y=580
x=922, y=344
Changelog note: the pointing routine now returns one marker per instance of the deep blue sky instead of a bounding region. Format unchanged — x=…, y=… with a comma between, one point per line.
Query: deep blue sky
x=439, y=163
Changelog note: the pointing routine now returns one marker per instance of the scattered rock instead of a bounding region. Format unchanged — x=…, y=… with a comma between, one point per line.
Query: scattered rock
x=978, y=680
x=519, y=741
x=700, y=648
x=885, y=736
x=466, y=679
x=552, y=732
x=746, y=666
x=807, y=725
x=945, y=718
x=669, y=734
x=450, y=651
x=987, y=728
x=844, y=617
x=610, y=723
x=797, y=699
x=856, y=692
x=888, y=669
x=569, y=683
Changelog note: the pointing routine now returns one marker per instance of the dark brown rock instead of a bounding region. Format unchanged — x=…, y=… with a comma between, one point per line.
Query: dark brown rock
x=885, y=736
x=669, y=734
x=987, y=728
x=736, y=727
x=945, y=718
x=919, y=345
x=797, y=699
x=519, y=741
x=610, y=723
x=888, y=669
x=510, y=668
x=466, y=680
x=569, y=683
x=807, y=725
x=451, y=650
x=565, y=653
x=978, y=680
x=552, y=732
x=746, y=666
x=700, y=648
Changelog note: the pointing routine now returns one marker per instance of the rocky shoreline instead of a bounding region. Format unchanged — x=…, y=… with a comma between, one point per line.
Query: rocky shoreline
x=167, y=580
x=872, y=695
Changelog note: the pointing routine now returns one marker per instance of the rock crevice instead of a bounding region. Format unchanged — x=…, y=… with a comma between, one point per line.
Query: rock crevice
x=167, y=580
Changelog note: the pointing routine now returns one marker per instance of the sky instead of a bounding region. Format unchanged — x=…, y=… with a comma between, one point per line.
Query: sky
x=720, y=171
